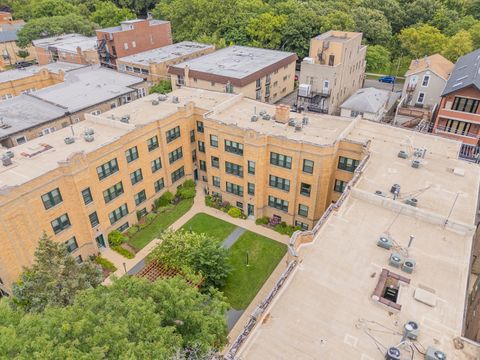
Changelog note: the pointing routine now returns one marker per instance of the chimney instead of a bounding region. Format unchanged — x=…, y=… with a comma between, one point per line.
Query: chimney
x=186, y=76
x=282, y=113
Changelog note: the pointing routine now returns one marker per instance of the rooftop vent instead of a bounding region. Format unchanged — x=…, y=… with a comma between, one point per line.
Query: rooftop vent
x=10, y=154
x=384, y=242
x=402, y=154
x=262, y=113
x=410, y=330
x=408, y=266
x=305, y=120
x=69, y=140
x=266, y=117
x=6, y=161
x=162, y=97
x=254, y=118
x=411, y=201
x=88, y=131
x=155, y=102
x=291, y=122
x=380, y=193
x=393, y=353
x=416, y=164
x=175, y=99
x=125, y=119
x=88, y=138
x=434, y=354
x=298, y=126
x=395, y=189
x=395, y=260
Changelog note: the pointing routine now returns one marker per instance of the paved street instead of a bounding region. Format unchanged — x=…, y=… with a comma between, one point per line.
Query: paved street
x=378, y=85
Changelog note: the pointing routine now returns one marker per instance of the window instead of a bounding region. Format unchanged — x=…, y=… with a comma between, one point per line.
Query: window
x=301, y=225
x=347, y=164
x=113, y=192
x=278, y=203
x=87, y=196
x=251, y=189
x=194, y=155
x=258, y=83
x=233, y=147
x=203, y=165
x=308, y=166
x=200, y=128
x=131, y=154
x=178, y=174
x=175, y=155
x=156, y=165
x=281, y=160
x=192, y=136
x=140, y=197
x=216, y=181
x=61, y=223
x=426, y=80
x=233, y=169
x=302, y=210
x=152, y=143
x=79, y=259
x=52, y=198
x=201, y=146
x=93, y=217
x=118, y=213
x=258, y=95
x=71, y=244
x=159, y=185
x=96, y=112
x=142, y=212
x=229, y=88
x=137, y=70
x=465, y=105
x=421, y=98
x=251, y=167
x=214, y=140
x=305, y=189
x=215, y=162
x=458, y=127
x=136, y=176
x=180, y=80
x=173, y=134
x=134, y=44
x=279, y=183
x=21, y=140
x=125, y=46
x=107, y=169
x=129, y=68
x=123, y=227
x=339, y=186
x=234, y=189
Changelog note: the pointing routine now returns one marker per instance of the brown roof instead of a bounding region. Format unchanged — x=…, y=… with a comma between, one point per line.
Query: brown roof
x=156, y=270
x=436, y=63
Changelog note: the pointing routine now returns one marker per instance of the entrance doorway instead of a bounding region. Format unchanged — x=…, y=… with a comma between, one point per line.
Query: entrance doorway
x=250, y=210
x=100, y=241
x=195, y=174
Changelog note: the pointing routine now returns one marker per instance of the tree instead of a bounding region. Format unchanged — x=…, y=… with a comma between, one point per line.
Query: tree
x=420, y=11
x=266, y=30
x=475, y=35
x=131, y=319
x=213, y=39
x=378, y=58
x=337, y=20
x=373, y=24
x=54, y=279
x=444, y=18
x=422, y=41
x=106, y=14
x=193, y=253
x=46, y=8
x=392, y=9
x=465, y=23
x=51, y=26
x=458, y=45
x=140, y=7
x=23, y=53
x=163, y=87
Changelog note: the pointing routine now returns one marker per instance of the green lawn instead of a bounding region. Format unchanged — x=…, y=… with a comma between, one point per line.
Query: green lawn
x=160, y=223
x=203, y=223
x=244, y=281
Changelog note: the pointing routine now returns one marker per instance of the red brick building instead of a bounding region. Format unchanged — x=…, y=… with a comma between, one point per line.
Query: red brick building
x=459, y=112
x=132, y=37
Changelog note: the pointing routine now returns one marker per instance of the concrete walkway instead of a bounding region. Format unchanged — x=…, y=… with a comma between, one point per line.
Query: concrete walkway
x=233, y=237
x=135, y=264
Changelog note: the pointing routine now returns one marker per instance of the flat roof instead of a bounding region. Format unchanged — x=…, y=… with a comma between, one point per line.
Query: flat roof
x=56, y=67
x=370, y=100
x=235, y=62
x=325, y=309
x=68, y=42
x=119, y=28
x=9, y=31
x=165, y=53
x=337, y=36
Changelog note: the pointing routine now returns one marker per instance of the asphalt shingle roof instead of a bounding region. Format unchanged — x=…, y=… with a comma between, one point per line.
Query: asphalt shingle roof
x=465, y=73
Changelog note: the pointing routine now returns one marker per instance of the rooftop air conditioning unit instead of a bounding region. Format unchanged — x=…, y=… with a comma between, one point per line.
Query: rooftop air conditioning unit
x=408, y=266
x=434, y=354
x=385, y=242
x=416, y=164
x=291, y=122
x=89, y=131
x=262, y=113
x=155, y=102
x=395, y=189
x=175, y=99
x=411, y=202
x=88, y=138
x=69, y=140
x=266, y=117
x=254, y=118
x=305, y=120
x=304, y=90
x=380, y=193
x=6, y=161
x=395, y=260
x=419, y=152
x=162, y=97
x=309, y=60
x=402, y=154
x=393, y=353
x=298, y=126
x=125, y=119
x=10, y=154
x=410, y=330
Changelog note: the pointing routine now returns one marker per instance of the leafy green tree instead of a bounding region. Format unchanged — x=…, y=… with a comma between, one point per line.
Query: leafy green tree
x=444, y=18
x=373, y=24
x=337, y=20
x=474, y=8
x=54, y=279
x=23, y=53
x=422, y=41
x=392, y=9
x=193, y=253
x=163, y=87
x=106, y=14
x=465, y=23
x=266, y=30
x=54, y=25
x=458, y=45
x=378, y=58
x=140, y=7
x=420, y=11
x=475, y=35
x=213, y=39
x=131, y=319
x=44, y=8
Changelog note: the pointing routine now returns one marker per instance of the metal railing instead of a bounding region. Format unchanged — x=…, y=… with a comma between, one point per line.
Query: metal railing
x=470, y=153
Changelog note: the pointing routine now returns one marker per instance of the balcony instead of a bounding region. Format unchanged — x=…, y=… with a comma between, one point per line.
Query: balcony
x=470, y=153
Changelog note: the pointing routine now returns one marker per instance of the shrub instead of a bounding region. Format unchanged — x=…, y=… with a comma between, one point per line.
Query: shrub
x=189, y=184
x=274, y=221
x=186, y=192
x=105, y=264
x=285, y=229
x=209, y=201
x=132, y=230
x=262, y=221
x=163, y=200
x=150, y=217
x=235, y=212
x=123, y=252
x=116, y=238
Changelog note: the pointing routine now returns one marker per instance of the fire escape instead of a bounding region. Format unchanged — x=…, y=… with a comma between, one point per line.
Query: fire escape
x=103, y=53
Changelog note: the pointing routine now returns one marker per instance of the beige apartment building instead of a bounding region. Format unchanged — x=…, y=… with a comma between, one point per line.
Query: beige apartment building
x=334, y=70
x=81, y=182
x=71, y=48
x=152, y=65
x=260, y=74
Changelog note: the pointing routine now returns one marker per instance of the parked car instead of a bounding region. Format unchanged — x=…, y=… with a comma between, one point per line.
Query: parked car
x=22, y=64
x=387, y=79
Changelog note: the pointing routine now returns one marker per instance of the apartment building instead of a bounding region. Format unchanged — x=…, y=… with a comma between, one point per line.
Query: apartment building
x=32, y=78
x=152, y=65
x=71, y=48
x=132, y=37
x=260, y=74
x=8, y=45
x=90, y=89
x=333, y=71
x=459, y=111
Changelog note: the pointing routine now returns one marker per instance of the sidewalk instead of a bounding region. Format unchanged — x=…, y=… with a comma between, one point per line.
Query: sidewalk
x=198, y=207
